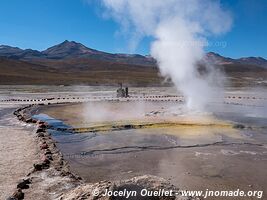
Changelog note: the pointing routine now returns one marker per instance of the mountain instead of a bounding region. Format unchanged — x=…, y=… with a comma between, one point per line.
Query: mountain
x=259, y=61
x=73, y=63
x=73, y=50
x=7, y=51
x=220, y=60
x=17, y=53
x=68, y=49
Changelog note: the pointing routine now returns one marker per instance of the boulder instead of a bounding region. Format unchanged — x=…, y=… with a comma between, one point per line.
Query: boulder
x=38, y=166
x=17, y=195
x=42, y=126
x=40, y=130
x=24, y=184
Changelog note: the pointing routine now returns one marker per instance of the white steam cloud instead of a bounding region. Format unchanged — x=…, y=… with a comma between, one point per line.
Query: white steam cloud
x=179, y=29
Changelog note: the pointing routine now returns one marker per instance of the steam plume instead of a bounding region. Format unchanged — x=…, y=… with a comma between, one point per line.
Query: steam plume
x=179, y=29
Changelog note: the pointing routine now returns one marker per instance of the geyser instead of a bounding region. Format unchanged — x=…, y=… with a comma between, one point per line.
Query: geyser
x=179, y=29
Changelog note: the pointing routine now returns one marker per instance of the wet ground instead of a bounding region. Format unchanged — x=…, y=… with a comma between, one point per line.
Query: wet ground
x=224, y=148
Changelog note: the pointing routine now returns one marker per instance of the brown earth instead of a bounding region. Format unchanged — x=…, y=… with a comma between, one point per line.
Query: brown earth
x=96, y=72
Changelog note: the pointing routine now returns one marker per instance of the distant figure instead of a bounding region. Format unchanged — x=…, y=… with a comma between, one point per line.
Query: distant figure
x=126, y=92
x=121, y=92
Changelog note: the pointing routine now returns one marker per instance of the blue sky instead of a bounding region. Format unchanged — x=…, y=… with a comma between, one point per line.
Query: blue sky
x=39, y=24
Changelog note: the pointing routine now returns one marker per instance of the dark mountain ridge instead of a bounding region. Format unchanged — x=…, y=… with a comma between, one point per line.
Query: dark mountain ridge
x=71, y=50
x=74, y=50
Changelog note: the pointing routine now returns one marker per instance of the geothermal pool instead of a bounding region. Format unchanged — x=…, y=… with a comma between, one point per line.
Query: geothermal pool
x=224, y=147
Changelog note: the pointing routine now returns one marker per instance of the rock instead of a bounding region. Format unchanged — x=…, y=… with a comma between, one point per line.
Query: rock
x=45, y=160
x=47, y=152
x=61, y=161
x=24, y=184
x=19, y=117
x=64, y=173
x=45, y=165
x=49, y=156
x=40, y=130
x=128, y=126
x=239, y=126
x=18, y=195
x=40, y=134
x=42, y=126
x=23, y=119
x=40, y=122
x=29, y=120
x=41, y=166
x=44, y=146
x=38, y=166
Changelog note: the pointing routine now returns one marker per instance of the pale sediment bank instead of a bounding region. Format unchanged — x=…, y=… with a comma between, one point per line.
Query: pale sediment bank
x=17, y=149
x=47, y=175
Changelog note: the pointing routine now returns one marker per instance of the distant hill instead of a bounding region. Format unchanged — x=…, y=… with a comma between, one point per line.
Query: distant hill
x=75, y=71
x=73, y=50
x=73, y=63
x=220, y=60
